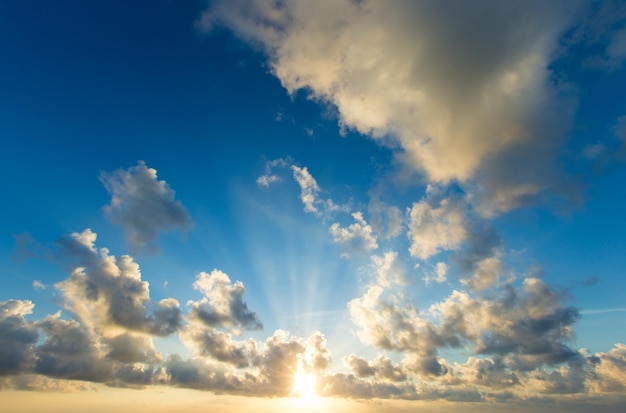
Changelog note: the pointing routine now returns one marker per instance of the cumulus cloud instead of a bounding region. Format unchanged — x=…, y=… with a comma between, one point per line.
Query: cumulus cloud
x=108, y=294
x=530, y=325
x=223, y=304
x=387, y=325
x=609, y=370
x=142, y=204
x=132, y=348
x=487, y=372
x=444, y=221
x=17, y=336
x=357, y=237
x=389, y=270
x=71, y=352
x=438, y=227
x=268, y=367
x=34, y=353
x=218, y=345
x=451, y=84
x=440, y=274
x=382, y=367
x=526, y=326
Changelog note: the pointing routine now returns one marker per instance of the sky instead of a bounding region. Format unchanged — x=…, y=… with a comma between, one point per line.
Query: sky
x=313, y=206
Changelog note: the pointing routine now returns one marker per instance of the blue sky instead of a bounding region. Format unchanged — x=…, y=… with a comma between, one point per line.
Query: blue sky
x=418, y=202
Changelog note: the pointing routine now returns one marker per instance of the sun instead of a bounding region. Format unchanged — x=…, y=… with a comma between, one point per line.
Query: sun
x=304, y=385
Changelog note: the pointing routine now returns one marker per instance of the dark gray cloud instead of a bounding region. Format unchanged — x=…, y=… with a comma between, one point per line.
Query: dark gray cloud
x=17, y=337
x=143, y=205
x=70, y=352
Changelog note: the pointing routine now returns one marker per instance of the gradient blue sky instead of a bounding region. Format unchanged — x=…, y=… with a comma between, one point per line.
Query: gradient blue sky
x=425, y=198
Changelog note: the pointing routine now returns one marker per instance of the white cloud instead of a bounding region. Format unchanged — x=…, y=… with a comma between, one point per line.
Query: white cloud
x=143, y=205
x=437, y=228
x=440, y=274
x=357, y=237
x=308, y=188
x=389, y=270
x=223, y=303
x=382, y=367
x=609, y=372
x=266, y=180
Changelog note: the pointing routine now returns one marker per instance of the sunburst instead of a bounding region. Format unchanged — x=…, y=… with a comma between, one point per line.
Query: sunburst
x=304, y=385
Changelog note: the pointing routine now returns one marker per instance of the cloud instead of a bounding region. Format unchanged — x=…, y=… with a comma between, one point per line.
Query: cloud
x=223, y=304
x=529, y=325
x=282, y=355
x=357, y=237
x=266, y=180
x=440, y=274
x=71, y=352
x=525, y=326
x=609, y=370
x=308, y=187
x=444, y=221
x=253, y=368
x=389, y=270
x=437, y=227
x=17, y=336
x=218, y=345
x=382, y=367
x=142, y=205
x=198, y=374
x=486, y=372
x=386, y=220
x=452, y=85
x=108, y=294
x=132, y=348
x=387, y=325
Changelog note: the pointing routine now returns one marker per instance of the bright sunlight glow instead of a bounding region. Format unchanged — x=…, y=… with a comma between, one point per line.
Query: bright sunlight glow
x=304, y=385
